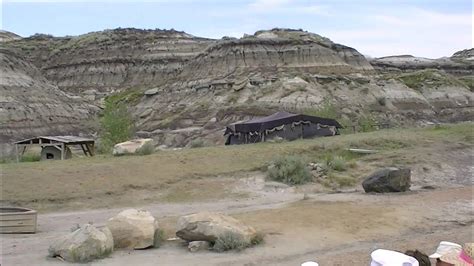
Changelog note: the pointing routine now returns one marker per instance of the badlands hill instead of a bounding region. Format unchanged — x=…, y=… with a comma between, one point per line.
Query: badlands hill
x=32, y=105
x=180, y=87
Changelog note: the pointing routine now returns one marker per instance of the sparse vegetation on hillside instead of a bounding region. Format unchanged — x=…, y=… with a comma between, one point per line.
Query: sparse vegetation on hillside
x=129, y=96
x=429, y=78
x=197, y=143
x=326, y=110
x=469, y=81
x=107, y=180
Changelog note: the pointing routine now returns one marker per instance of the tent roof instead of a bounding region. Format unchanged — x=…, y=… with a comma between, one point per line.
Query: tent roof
x=277, y=119
x=61, y=139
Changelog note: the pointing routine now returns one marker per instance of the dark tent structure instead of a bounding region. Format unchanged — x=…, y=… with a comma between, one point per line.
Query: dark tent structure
x=280, y=125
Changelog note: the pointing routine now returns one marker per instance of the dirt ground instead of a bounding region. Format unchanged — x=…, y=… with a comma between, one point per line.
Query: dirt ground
x=333, y=229
x=310, y=222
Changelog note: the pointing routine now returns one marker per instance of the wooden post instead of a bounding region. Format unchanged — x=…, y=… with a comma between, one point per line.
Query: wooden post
x=62, y=151
x=17, y=154
x=92, y=149
x=83, y=150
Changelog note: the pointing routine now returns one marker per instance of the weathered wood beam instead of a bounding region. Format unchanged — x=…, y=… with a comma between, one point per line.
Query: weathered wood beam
x=83, y=149
x=17, y=154
x=62, y=151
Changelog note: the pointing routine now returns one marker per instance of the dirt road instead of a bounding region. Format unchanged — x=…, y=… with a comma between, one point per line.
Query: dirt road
x=334, y=229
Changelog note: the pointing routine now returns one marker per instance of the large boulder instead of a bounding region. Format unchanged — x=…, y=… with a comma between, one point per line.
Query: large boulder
x=84, y=244
x=133, y=229
x=206, y=226
x=389, y=179
x=131, y=146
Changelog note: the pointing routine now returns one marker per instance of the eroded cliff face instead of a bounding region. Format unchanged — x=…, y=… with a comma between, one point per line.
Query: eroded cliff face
x=180, y=87
x=106, y=61
x=459, y=64
x=30, y=105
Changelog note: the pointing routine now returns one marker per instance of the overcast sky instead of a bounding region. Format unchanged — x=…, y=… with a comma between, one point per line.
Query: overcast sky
x=428, y=28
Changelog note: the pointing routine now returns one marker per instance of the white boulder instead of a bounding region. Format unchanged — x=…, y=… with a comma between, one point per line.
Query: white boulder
x=206, y=226
x=85, y=244
x=131, y=146
x=133, y=229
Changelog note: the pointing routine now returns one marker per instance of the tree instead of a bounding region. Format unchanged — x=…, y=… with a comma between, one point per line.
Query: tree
x=116, y=125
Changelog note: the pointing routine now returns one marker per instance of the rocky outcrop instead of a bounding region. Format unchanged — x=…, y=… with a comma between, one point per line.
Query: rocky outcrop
x=112, y=59
x=131, y=146
x=6, y=36
x=31, y=105
x=85, y=244
x=460, y=64
x=133, y=229
x=388, y=180
x=206, y=226
x=187, y=88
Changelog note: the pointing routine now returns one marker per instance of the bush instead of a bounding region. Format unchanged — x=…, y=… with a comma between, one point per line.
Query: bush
x=159, y=237
x=382, y=100
x=326, y=110
x=230, y=241
x=197, y=143
x=367, y=123
x=338, y=163
x=147, y=149
x=290, y=170
x=30, y=157
x=342, y=180
x=258, y=239
x=116, y=125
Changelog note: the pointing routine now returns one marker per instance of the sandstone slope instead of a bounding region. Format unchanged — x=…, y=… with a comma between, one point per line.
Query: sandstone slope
x=180, y=87
x=31, y=105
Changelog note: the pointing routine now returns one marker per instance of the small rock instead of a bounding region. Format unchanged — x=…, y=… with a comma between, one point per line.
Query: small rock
x=195, y=246
x=151, y=92
x=390, y=179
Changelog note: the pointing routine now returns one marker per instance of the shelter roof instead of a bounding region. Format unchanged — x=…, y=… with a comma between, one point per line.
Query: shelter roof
x=54, y=139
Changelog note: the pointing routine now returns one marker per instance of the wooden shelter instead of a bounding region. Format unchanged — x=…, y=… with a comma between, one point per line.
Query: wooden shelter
x=59, y=142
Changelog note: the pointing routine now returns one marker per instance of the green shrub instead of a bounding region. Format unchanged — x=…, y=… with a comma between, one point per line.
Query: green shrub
x=336, y=163
x=342, y=180
x=258, y=239
x=290, y=170
x=326, y=110
x=382, y=100
x=366, y=123
x=147, y=149
x=429, y=78
x=230, y=241
x=116, y=125
x=159, y=238
x=30, y=157
x=197, y=143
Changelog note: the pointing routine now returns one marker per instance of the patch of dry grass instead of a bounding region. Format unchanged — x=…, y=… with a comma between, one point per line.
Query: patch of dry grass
x=105, y=181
